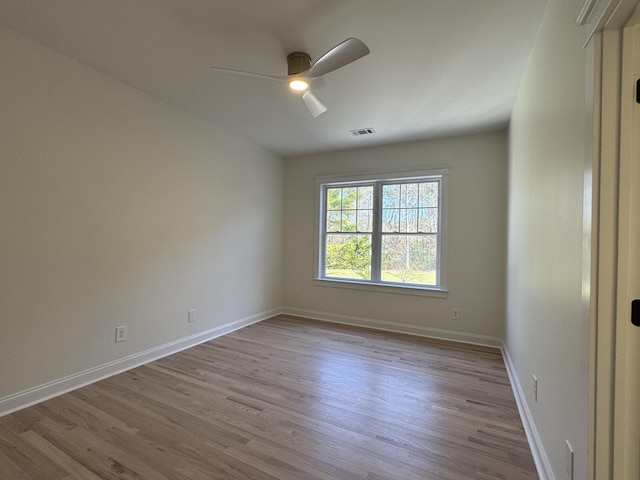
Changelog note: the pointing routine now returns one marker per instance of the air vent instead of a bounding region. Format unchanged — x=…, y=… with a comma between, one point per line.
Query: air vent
x=362, y=131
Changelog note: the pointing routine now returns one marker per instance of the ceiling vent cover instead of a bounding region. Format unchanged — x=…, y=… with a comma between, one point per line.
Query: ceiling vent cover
x=362, y=131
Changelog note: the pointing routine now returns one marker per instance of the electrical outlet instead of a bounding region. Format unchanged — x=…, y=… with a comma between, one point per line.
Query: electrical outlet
x=298, y=295
x=121, y=333
x=535, y=388
x=568, y=460
x=455, y=314
x=191, y=316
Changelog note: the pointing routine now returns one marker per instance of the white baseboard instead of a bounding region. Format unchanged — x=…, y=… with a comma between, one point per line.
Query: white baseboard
x=440, y=334
x=535, y=443
x=31, y=396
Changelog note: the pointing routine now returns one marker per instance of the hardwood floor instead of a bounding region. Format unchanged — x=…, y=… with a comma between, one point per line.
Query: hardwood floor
x=283, y=399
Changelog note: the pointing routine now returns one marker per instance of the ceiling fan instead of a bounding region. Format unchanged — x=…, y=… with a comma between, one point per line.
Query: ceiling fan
x=300, y=71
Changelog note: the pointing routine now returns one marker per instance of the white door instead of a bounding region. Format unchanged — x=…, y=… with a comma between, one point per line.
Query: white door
x=626, y=451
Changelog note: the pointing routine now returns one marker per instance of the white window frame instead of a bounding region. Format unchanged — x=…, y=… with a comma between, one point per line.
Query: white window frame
x=324, y=181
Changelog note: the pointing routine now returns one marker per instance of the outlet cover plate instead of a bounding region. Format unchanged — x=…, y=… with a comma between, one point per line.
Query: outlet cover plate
x=121, y=333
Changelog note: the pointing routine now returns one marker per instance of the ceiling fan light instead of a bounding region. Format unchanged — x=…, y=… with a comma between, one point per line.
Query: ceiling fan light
x=298, y=85
x=314, y=105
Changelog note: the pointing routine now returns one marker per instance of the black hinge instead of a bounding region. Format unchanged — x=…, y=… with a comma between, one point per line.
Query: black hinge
x=638, y=91
x=635, y=312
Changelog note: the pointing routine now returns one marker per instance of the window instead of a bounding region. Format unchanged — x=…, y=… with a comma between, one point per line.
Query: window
x=383, y=231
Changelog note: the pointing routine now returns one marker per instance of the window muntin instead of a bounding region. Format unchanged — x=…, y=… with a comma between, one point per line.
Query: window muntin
x=386, y=232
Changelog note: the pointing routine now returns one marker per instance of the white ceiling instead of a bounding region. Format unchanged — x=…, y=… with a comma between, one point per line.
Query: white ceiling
x=436, y=68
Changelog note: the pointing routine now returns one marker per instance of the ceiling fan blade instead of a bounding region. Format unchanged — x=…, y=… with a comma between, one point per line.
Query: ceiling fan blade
x=342, y=54
x=315, y=106
x=241, y=73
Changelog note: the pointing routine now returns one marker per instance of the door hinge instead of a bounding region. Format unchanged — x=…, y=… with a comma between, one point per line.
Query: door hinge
x=638, y=91
x=635, y=312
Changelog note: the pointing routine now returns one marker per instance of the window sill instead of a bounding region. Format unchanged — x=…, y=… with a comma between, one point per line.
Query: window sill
x=383, y=287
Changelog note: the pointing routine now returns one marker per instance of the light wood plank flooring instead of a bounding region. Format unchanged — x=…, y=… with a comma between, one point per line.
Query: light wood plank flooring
x=284, y=399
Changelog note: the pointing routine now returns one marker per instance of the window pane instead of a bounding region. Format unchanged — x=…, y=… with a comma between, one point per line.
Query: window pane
x=348, y=220
x=390, y=196
x=365, y=221
x=428, y=221
x=409, y=197
x=390, y=220
x=365, y=198
x=412, y=220
x=334, y=221
x=409, y=259
x=348, y=256
x=349, y=197
x=334, y=198
x=429, y=194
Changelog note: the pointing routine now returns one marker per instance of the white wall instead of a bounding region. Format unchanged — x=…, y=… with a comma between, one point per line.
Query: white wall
x=117, y=209
x=476, y=239
x=547, y=328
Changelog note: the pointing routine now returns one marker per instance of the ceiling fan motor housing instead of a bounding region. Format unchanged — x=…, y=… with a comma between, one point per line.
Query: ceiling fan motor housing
x=298, y=62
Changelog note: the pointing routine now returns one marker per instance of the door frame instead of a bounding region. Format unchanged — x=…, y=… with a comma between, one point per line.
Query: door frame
x=607, y=457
